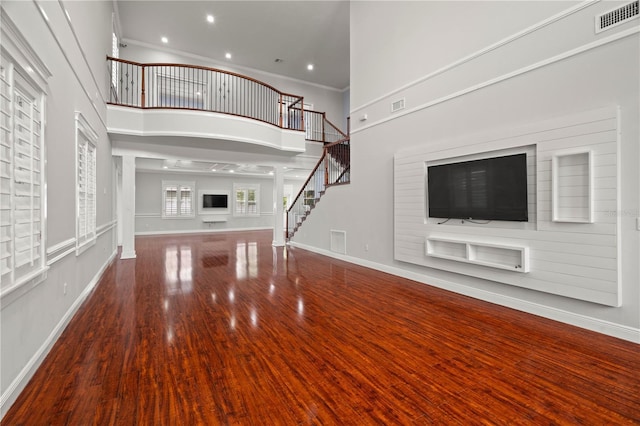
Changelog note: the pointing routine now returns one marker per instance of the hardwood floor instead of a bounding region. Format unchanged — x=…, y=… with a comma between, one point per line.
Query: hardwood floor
x=225, y=329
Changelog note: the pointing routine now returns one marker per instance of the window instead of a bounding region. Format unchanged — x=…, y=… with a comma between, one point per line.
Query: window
x=115, y=52
x=177, y=199
x=86, y=140
x=21, y=176
x=246, y=200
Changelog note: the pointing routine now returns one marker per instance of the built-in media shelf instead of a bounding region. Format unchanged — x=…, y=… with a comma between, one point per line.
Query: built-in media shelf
x=511, y=258
x=213, y=219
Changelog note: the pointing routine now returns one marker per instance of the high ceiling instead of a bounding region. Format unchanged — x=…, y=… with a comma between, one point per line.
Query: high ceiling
x=256, y=33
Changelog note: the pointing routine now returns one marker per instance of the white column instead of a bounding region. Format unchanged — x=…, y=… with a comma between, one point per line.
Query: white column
x=118, y=203
x=278, y=210
x=128, y=206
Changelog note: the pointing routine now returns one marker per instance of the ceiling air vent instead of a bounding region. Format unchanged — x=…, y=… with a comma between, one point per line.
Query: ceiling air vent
x=397, y=105
x=616, y=16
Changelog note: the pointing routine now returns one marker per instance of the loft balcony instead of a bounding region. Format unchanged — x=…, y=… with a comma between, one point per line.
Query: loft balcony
x=201, y=102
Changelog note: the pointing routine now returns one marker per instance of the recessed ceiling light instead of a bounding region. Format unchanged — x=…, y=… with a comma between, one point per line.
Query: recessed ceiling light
x=230, y=171
x=310, y=67
x=210, y=18
x=213, y=170
x=165, y=167
x=271, y=173
x=165, y=40
x=227, y=55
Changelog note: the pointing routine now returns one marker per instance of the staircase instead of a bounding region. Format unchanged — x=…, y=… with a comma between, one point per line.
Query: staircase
x=333, y=168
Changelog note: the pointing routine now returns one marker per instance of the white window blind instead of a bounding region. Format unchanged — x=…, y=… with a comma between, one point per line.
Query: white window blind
x=21, y=165
x=177, y=199
x=246, y=200
x=86, y=219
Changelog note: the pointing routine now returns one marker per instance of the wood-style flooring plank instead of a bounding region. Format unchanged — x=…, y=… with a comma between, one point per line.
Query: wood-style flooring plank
x=224, y=329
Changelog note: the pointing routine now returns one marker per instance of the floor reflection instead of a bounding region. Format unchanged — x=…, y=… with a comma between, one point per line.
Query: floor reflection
x=178, y=269
x=246, y=260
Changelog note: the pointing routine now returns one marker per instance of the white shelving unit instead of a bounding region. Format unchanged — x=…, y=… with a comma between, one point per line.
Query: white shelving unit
x=508, y=257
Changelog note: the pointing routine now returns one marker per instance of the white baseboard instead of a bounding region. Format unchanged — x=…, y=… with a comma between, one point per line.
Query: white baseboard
x=605, y=327
x=203, y=231
x=12, y=392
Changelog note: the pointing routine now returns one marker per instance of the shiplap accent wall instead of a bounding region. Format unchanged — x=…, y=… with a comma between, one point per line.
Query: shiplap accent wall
x=576, y=260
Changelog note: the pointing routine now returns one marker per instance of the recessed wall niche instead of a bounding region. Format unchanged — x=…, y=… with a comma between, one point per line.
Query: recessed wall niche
x=572, y=187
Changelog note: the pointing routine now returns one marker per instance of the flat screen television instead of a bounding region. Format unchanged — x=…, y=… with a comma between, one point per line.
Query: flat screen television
x=487, y=189
x=214, y=201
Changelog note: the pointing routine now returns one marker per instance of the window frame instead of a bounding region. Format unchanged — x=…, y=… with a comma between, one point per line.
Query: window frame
x=179, y=185
x=245, y=188
x=23, y=74
x=87, y=177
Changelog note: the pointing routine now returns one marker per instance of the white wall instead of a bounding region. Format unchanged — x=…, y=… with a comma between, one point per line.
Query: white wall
x=323, y=99
x=149, y=203
x=33, y=318
x=458, y=83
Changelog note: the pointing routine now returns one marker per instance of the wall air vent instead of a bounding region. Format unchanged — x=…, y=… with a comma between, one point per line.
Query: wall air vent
x=616, y=16
x=397, y=105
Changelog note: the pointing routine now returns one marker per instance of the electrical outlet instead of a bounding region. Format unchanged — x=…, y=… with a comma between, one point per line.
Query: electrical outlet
x=366, y=247
x=64, y=288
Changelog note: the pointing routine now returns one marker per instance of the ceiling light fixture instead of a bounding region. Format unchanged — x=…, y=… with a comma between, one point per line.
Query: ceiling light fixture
x=210, y=19
x=310, y=67
x=213, y=170
x=165, y=40
x=230, y=171
x=227, y=55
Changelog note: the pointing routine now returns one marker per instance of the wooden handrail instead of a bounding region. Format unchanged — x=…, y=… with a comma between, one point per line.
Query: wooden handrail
x=333, y=168
x=335, y=127
x=343, y=140
x=201, y=67
x=304, y=185
x=136, y=94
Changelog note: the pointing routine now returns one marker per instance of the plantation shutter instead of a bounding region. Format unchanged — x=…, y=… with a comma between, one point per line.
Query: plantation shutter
x=241, y=207
x=6, y=171
x=86, y=195
x=27, y=191
x=252, y=206
x=21, y=153
x=178, y=198
x=171, y=201
x=186, y=206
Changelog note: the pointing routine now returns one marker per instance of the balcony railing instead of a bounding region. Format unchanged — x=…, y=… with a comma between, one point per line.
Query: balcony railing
x=319, y=129
x=194, y=87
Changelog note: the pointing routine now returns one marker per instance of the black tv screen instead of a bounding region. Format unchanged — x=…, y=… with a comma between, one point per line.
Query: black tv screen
x=210, y=201
x=487, y=189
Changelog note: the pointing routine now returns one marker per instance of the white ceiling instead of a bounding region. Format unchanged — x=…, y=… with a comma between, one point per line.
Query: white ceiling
x=254, y=32
x=216, y=168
